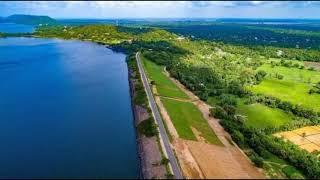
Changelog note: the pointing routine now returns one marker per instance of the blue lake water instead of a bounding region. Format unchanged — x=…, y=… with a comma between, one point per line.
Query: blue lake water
x=65, y=111
x=16, y=28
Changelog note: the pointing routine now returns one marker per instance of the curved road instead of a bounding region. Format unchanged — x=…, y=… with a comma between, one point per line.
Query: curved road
x=163, y=135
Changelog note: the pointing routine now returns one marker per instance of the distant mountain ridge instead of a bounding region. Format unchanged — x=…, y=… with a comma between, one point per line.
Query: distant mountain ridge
x=28, y=19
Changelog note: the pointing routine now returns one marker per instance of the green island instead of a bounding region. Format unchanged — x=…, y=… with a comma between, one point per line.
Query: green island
x=255, y=90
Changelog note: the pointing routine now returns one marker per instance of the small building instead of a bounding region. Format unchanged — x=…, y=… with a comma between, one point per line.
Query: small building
x=181, y=38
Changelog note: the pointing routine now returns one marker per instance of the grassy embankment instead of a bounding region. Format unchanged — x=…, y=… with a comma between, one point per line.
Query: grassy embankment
x=184, y=115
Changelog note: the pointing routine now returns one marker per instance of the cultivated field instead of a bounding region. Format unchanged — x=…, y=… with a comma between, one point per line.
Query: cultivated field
x=307, y=138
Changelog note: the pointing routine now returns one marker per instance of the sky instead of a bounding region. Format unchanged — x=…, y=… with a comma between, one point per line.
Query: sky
x=164, y=9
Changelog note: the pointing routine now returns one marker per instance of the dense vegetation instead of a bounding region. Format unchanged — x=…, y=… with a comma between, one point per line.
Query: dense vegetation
x=227, y=76
x=250, y=35
x=29, y=19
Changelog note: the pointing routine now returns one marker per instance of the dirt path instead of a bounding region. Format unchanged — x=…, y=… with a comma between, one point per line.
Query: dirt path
x=178, y=99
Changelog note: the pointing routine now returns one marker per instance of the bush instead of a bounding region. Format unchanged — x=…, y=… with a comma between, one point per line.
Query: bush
x=260, y=75
x=148, y=127
x=164, y=161
x=311, y=68
x=227, y=99
x=238, y=137
x=292, y=173
x=257, y=160
x=279, y=76
x=229, y=109
x=218, y=112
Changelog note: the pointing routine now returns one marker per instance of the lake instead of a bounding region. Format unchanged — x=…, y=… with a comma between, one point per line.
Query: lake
x=65, y=111
x=16, y=28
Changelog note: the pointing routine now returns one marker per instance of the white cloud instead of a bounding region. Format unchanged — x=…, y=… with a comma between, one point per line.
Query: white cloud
x=106, y=9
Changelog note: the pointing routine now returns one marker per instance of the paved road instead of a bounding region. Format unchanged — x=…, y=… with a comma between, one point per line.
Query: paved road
x=163, y=135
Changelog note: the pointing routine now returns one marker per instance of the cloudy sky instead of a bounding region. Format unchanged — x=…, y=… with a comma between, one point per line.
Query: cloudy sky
x=164, y=9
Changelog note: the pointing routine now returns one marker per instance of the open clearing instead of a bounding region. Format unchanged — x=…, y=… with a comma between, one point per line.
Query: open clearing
x=294, y=92
x=261, y=116
x=292, y=74
x=307, y=138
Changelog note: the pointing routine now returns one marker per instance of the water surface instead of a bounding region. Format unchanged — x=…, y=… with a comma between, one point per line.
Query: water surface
x=64, y=111
x=16, y=28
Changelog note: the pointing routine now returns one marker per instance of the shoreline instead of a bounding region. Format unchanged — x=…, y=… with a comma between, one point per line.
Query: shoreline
x=149, y=153
x=134, y=113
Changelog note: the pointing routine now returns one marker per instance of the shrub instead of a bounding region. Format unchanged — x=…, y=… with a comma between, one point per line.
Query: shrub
x=218, y=112
x=257, y=160
x=164, y=161
x=291, y=172
x=260, y=75
x=311, y=68
x=279, y=76
x=227, y=99
x=148, y=127
x=296, y=65
x=238, y=137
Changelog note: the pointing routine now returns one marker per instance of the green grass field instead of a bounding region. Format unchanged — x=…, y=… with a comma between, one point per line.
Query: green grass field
x=185, y=115
x=165, y=86
x=261, y=116
x=292, y=74
x=294, y=92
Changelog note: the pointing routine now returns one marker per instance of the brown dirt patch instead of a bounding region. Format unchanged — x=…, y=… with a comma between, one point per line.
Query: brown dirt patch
x=315, y=65
x=150, y=158
x=189, y=166
x=141, y=114
x=221, y=162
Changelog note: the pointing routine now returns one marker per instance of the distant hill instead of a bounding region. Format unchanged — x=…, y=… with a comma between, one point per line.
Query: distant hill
x=28, y=19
